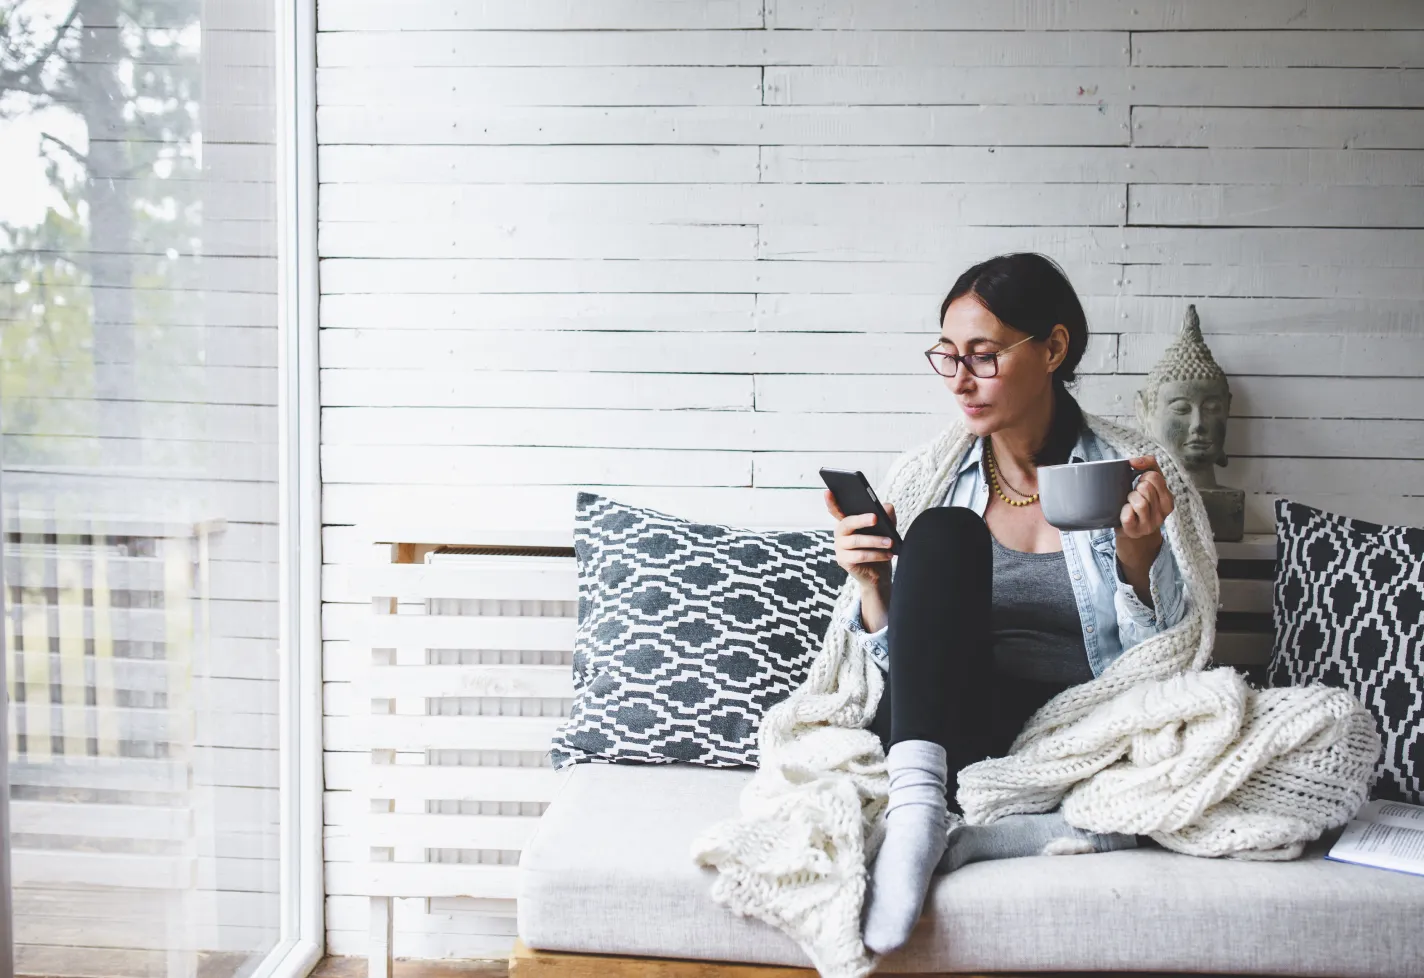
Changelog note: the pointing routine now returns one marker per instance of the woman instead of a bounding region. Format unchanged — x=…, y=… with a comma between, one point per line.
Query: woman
x=993, y=611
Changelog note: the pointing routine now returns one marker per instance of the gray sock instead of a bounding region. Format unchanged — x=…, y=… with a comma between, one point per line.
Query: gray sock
x=916, y=824
x=1025, y=835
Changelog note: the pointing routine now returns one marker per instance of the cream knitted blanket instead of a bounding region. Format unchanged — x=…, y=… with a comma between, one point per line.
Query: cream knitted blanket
x=1157, y=745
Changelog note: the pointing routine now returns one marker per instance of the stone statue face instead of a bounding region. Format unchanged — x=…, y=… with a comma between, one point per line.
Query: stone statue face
x=1190, y=419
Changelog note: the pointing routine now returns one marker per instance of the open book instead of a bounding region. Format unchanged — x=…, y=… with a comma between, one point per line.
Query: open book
x=1386, y=834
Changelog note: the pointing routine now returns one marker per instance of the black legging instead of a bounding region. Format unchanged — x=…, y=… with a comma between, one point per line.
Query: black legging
x=942, y=683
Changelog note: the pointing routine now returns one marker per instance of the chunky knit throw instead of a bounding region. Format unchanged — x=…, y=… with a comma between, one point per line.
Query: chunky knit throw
x=1157, y=745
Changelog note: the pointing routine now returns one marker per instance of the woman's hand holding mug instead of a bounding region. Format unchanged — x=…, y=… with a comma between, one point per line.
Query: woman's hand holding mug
x=863, y=556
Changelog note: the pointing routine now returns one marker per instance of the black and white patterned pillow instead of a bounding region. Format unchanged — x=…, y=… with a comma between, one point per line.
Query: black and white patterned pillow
x=1349, y=612
x=687, y=633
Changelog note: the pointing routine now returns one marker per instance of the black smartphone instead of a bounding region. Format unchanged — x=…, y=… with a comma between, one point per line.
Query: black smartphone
x=854, y=496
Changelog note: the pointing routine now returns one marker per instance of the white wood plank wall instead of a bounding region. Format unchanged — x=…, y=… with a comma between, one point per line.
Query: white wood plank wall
x=690, y=250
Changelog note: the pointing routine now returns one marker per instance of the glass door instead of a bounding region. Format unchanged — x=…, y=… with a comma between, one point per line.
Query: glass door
x=145, y=488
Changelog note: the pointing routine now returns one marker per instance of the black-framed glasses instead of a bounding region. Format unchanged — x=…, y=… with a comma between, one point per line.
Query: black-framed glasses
x=981, y=365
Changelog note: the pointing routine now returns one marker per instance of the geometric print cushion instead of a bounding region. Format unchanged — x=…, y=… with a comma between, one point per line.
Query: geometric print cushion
x=1349, y=612
x=687, y=632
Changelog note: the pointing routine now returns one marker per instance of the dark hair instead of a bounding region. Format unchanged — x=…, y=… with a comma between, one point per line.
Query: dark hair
x=1029, y=292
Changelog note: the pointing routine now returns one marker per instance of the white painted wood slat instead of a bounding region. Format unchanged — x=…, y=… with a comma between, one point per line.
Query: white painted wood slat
x=1146, y=15
x=385, y=47
x=431, y=880
x=462, y=783
x=517, y=579
x=541, y=86
x=450, y=831
x=474, y=680
x=1051, y=125
x=533, y=15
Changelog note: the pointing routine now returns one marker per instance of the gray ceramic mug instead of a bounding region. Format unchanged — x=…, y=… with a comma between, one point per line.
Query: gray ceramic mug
x=1085, y=495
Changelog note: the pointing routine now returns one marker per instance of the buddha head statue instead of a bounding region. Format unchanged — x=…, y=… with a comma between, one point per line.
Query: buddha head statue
x=1185, y=404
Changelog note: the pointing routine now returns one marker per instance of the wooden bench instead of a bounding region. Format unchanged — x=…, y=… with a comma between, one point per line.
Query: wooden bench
x=467, y=670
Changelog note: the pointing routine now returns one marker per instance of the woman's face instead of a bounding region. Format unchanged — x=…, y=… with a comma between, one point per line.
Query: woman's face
x=1025, y=374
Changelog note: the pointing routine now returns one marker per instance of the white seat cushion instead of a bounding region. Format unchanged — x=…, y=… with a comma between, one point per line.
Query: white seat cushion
x=608, y=872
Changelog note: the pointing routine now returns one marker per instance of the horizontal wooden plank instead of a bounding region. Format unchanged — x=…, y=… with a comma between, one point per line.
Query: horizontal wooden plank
x=1089, y=164
x=537, y=164
x=614, y=428
x=348, y=239
x=455, y=915
x=473, y=680
x=1343, y=355
x=85, y=904
x=138, y=870
x=1284, y=206
x=1242, y=648
x=185, y=458
x=623, y=311
x=155, y=676
x=396, y=732
x=79, y=417
x=534, y=466
x=1156, y=86
x=1247, y=595
x=449, y=782
x=449, y=831
x=83, y=946
x=1017, y=125
x=1252, y=396
x=1327, y=249
x=1252, y=546
x=393, y=46
x=101, y=821
x=1126, y=313
x=346, y=618
x=428, y=944
x=1144, y=15
x=1093, y=258
x=535, y=389
x=1281, y=48
x=185, y=385
x=182, y=345
x=533, y=15
x=423, y=880
x=650, y=275
x=1326, y=128
x=450, y=206
x=237, y=628
x=498, y=578
x=101, y=774
x=547, y=85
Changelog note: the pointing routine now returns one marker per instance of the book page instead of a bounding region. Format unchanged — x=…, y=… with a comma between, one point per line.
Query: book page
x=1397, y=813
x=1385, y=846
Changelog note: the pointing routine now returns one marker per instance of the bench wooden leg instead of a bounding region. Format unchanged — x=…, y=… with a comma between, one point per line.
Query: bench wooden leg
x=528, y=963
x=379, y=959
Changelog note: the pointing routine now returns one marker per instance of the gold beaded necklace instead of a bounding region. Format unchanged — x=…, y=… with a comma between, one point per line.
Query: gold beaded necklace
x=994, y=479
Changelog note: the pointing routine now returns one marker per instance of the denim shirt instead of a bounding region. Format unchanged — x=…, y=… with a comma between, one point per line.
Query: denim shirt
x=1113, y=618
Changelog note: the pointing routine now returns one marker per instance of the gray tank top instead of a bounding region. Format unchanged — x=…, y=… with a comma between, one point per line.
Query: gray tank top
x=1036, y=630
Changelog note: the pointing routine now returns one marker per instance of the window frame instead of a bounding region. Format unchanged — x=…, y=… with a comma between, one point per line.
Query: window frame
x=302, y=938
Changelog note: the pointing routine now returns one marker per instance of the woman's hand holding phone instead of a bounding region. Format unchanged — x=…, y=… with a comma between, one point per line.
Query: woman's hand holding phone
x=863, y=556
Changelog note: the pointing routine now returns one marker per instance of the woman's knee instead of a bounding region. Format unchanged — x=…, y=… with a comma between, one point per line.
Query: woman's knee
x=945, y=529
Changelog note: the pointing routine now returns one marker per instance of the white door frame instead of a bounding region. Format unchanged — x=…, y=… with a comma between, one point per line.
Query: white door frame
x=302, y=939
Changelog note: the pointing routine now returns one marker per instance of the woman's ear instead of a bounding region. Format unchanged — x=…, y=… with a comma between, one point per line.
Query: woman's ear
x=1057, y=346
